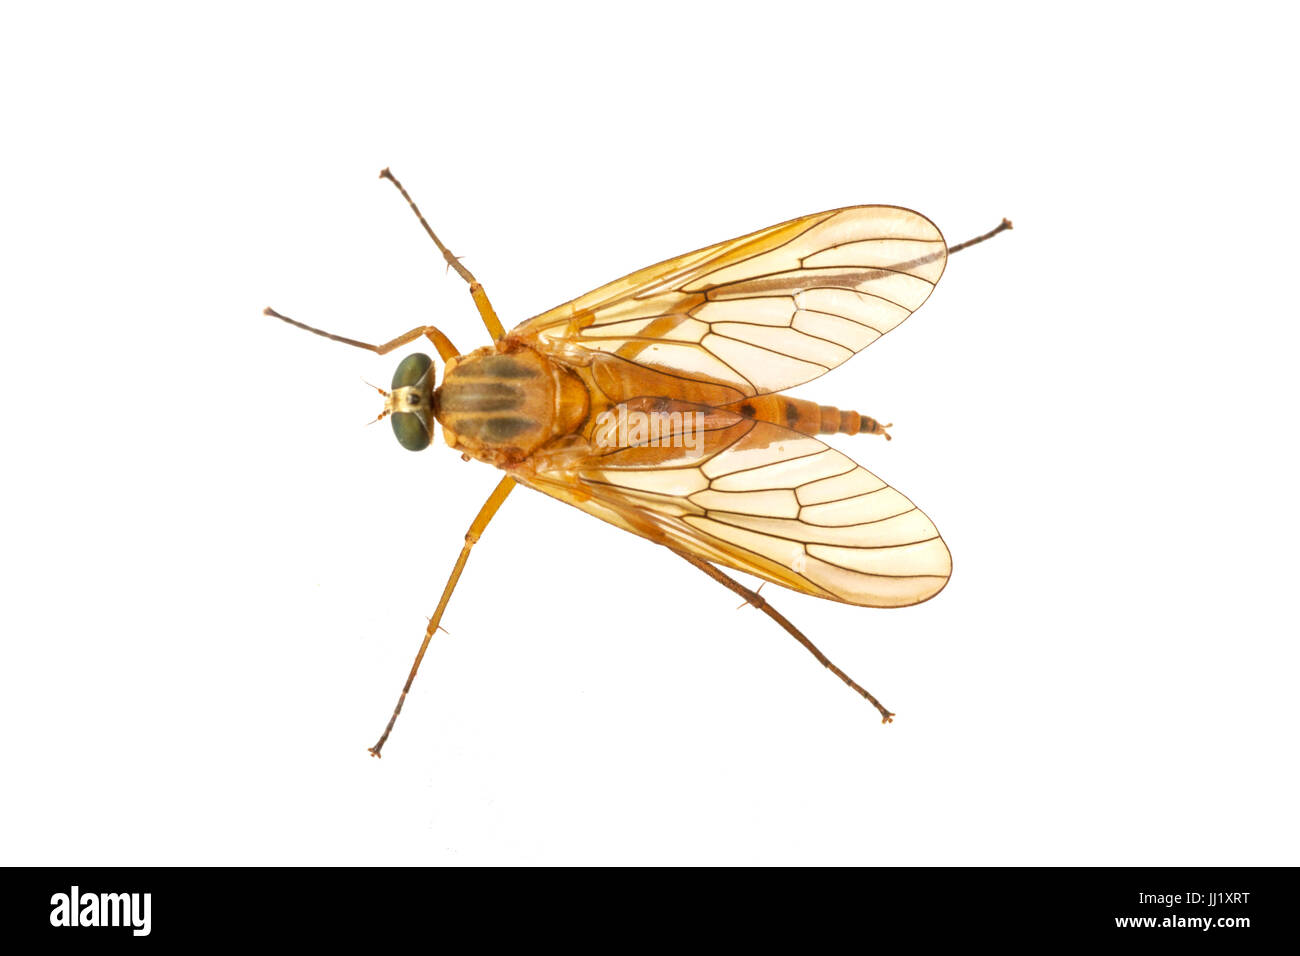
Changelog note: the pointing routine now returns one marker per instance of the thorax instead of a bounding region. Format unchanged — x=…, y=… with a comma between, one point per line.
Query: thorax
x=503, y=402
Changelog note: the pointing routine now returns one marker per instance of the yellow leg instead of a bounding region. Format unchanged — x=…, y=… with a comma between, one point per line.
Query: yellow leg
x=440, y=341
x=471, y=537
x=485, y=309
x=753, y=598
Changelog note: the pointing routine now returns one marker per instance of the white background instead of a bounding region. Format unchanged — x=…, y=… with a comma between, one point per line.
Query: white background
x=215, y=578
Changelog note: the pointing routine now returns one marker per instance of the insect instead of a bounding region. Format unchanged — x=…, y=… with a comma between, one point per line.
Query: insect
x=656, y=403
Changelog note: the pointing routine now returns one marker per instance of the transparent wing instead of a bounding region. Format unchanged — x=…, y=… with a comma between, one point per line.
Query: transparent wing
x=763, y=312
x=769, y=501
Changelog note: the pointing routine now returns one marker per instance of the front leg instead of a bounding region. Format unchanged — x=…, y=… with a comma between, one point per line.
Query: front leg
x=440, y=341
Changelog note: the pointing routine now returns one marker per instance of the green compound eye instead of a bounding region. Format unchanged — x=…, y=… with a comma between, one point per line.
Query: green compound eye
x=411, y=432
x=411, y=370
x=413, y=388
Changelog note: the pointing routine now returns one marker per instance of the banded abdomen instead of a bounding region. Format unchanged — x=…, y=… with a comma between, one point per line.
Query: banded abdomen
x=614, y=381
x=806, y=417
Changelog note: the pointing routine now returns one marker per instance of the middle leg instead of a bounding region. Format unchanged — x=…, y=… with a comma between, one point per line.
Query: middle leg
x=485, y=309
x=471, y=538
